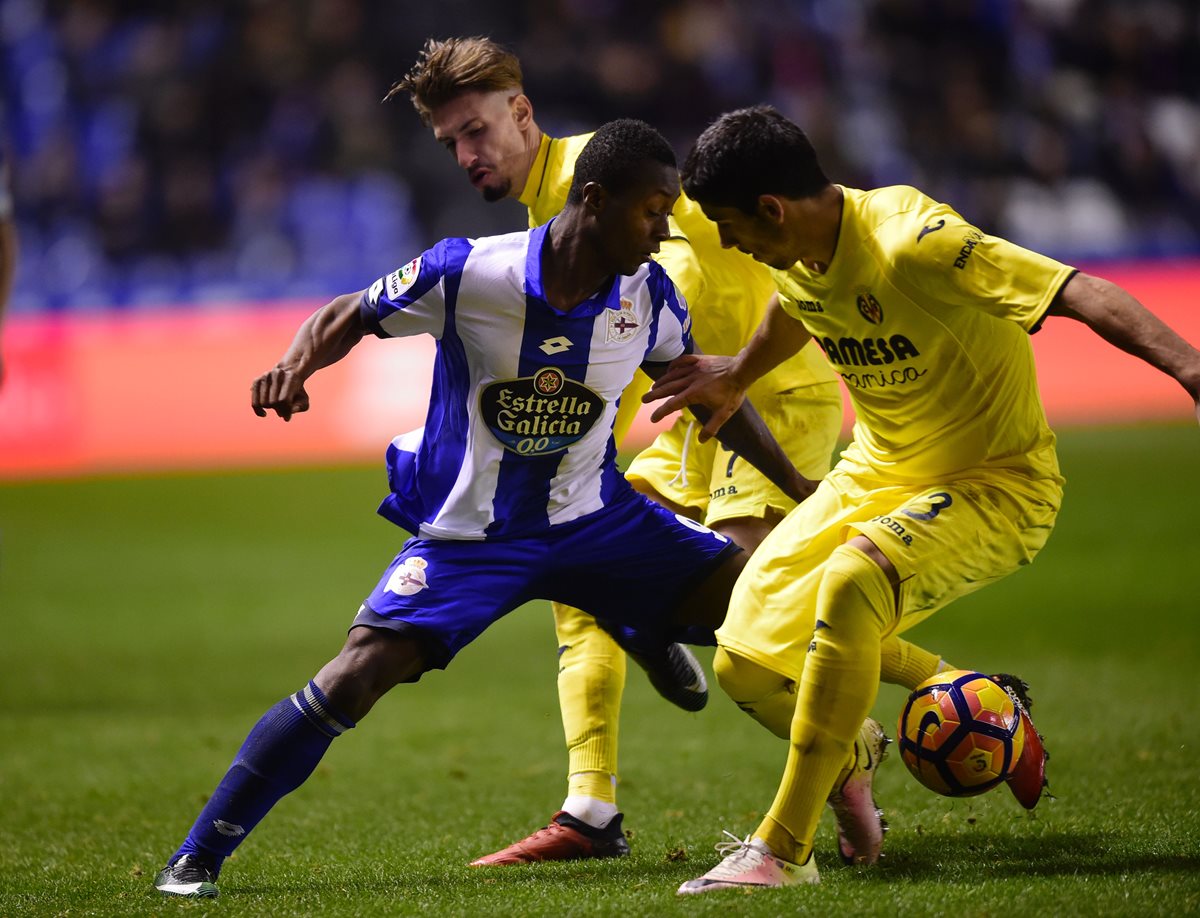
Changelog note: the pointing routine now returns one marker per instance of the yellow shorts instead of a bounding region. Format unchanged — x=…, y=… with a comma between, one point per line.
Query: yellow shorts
x=944, y=540
x=721, y=485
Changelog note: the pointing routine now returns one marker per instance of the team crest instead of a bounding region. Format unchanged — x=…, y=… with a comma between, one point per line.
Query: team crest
x=548, y=381
x=409, y=577
x=399, y=281
x=622, y=323
x=869, y=308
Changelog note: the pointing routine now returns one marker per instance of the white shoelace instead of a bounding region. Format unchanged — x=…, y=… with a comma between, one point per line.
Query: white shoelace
x=738, y=856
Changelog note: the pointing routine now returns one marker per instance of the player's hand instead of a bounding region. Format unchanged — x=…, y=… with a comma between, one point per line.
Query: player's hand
x=278, y=390
x=698, y=379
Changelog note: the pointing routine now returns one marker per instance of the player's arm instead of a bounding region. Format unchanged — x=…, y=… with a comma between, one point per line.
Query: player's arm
x=719, y=384
x=1117, y=317
x=326, y=336
x=744, y=432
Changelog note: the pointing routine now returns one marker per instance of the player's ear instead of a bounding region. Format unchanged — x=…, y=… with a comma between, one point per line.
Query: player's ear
x=770, y=208
x=595, y=197
x=522, y=110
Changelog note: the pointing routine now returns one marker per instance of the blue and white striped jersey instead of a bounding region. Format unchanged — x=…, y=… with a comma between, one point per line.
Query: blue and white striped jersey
x=518, y=436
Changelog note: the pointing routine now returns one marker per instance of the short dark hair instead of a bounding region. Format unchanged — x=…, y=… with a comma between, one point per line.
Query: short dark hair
x=447, y=69
x=751, y=152
x=615, y=154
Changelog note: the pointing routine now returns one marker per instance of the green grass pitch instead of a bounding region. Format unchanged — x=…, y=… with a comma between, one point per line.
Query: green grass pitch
x=148, y=622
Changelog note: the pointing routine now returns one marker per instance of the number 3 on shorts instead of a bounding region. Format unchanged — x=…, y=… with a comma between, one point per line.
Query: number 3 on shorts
x=937, y=503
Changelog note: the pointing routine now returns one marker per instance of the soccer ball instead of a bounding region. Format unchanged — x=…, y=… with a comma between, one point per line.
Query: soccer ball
x=960, y=734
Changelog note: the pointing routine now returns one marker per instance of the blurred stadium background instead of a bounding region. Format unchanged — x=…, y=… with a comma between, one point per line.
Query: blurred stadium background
x=192, y=178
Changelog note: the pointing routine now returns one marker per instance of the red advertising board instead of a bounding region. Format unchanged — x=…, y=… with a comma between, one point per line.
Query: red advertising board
x=169, y=389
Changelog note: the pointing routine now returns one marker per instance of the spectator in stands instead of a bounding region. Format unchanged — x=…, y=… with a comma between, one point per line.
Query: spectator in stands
x=1072, y=126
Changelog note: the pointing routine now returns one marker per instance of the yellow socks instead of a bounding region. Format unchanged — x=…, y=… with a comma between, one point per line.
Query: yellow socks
x=595, y=785
x=855, y=607
x=591, y=681
x=902, y=663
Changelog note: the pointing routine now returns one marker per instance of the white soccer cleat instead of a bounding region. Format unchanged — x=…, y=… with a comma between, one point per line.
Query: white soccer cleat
x=749, y=863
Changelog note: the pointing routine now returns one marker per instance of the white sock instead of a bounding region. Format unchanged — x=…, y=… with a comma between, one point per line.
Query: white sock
x=596, y=813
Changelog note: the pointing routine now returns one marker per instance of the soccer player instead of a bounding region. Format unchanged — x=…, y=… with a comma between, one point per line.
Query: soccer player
x=511, y=488
x=8, y=247
x=469, y=91
x=951, y=481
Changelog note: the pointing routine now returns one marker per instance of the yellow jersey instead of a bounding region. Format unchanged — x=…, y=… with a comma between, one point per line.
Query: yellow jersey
x=927, y=319
x=726, y=291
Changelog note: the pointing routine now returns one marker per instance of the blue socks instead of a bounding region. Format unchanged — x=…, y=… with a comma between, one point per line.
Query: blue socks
x=277, y=757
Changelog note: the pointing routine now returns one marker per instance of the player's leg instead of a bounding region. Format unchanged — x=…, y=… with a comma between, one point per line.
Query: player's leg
x=284, y=747
x=402, y=630
x=855, y=608
x=836, y=596
x=937, y=554
x=744, y=506
x=591, y=680
x=762, y=649
x=906, y=664
x=769, y=696
x=766, y=695
x=630, y=567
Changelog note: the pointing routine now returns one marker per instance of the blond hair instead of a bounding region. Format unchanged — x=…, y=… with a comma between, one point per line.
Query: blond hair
x=446, y=69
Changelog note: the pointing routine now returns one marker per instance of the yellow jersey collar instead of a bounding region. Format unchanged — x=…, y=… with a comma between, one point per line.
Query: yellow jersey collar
x=537, y=173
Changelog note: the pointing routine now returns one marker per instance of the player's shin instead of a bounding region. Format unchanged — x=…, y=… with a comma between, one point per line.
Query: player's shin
x=904, y=663
x=277, y=756
x=841, y=679
x=591, y=681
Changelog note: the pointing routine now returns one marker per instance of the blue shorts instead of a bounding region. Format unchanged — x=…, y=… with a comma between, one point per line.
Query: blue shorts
x=628, y=564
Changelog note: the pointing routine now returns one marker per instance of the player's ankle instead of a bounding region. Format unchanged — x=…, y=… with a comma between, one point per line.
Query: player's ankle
x=590, y=810
x=779, y=841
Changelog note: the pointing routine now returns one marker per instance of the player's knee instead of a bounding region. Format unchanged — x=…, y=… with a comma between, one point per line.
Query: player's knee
x=744, y=680
x=852, y=583
x=373, y=661
x=767, y=696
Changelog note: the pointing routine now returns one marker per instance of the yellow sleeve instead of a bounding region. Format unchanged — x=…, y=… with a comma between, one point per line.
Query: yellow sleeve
x=943, y=258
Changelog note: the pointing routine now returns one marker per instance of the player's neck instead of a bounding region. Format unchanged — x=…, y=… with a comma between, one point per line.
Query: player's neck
x=819, y=220
x=572, y=266
x=529, y=153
